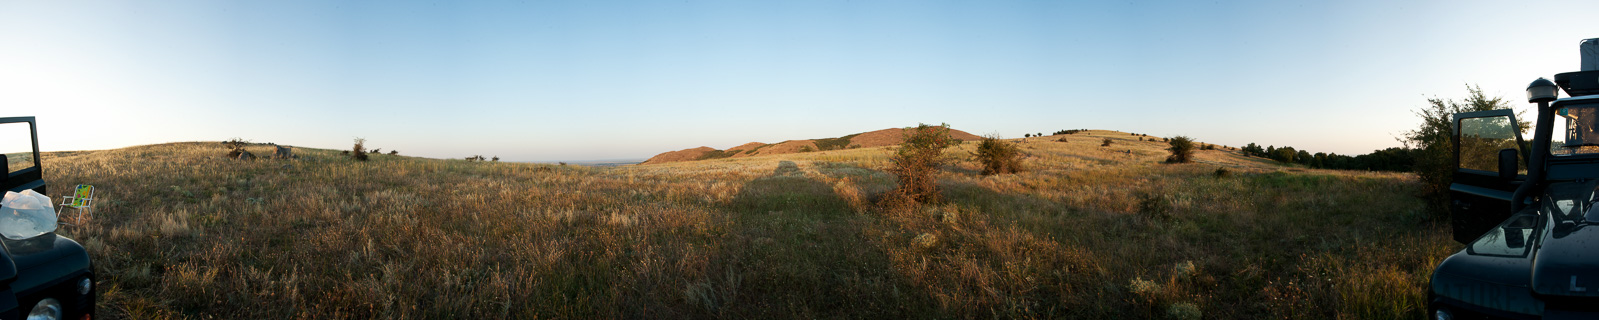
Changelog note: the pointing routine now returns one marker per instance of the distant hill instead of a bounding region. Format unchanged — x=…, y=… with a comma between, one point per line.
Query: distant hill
x=879, y=138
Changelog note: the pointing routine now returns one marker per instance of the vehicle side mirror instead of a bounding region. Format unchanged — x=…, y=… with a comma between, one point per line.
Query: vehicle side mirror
x=1507, y=163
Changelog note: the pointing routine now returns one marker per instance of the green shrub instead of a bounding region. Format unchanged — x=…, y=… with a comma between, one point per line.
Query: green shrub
x=916, y=163
x=998, y=156
x=359, y=151
x=1105, y=143
x=1182, y=150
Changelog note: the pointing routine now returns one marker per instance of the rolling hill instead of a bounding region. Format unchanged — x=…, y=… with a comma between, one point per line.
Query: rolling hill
x=879, y=138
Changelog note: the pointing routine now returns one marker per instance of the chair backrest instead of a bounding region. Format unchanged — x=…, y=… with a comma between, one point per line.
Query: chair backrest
x=82, y=196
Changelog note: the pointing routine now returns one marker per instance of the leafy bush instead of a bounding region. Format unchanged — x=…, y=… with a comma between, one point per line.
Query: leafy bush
x=915, y=163
x=359, y=151
x=998, y=156
x=1284, y=154
x=1105, y=143
x=1182, y=150
x=394, y=152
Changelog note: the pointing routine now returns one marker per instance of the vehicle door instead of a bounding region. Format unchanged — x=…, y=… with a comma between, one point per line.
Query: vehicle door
x=1479, y=196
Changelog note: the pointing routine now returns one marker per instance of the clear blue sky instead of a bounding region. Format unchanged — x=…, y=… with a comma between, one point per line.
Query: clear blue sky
x=556, y=80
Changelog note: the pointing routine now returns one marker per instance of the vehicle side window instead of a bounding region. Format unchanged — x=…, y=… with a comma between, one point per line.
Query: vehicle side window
x=1508, y=239
x=1482, y=138
x=16, y=142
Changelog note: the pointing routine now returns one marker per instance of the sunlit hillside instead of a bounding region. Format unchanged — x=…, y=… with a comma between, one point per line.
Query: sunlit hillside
x=1087, y=231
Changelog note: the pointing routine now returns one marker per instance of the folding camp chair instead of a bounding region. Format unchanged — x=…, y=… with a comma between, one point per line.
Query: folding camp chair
x=82, y=199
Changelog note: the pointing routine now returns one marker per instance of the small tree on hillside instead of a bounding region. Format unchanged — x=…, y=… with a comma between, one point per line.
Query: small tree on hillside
x=1182, y=150
x=1105, y=143
x=915, y=163
x=998, y=156
x=359, y=151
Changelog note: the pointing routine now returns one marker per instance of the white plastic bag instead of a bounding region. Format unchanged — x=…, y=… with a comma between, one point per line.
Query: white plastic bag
x=26, y=215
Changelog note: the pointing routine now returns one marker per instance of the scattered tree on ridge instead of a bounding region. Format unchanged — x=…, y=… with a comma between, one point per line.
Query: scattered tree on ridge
x=1182, y=150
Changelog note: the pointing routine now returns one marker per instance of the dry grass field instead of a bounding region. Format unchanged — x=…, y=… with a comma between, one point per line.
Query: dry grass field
x=1085, y=232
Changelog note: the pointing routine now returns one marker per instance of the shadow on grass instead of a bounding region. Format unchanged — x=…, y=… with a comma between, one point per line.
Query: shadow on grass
x=796, y=249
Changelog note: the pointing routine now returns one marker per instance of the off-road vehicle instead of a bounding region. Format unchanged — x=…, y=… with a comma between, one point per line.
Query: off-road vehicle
x=48, y=276
x=1531, y=228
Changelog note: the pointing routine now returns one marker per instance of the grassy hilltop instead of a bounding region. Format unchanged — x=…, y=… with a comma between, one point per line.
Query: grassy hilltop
x=1086, y=232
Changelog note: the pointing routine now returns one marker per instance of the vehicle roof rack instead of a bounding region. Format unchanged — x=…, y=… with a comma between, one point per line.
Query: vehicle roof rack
x=1580, y=83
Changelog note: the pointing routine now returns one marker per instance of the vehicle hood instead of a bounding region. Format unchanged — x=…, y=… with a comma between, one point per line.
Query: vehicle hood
x=1567, y=263
x=43, y=260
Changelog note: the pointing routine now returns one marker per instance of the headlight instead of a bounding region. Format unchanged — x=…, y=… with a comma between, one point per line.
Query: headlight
x=1442, y=314
x=85, y=285
x=47, y=309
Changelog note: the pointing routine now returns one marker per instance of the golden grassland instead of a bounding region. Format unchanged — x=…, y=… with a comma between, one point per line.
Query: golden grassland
x=1086, y=232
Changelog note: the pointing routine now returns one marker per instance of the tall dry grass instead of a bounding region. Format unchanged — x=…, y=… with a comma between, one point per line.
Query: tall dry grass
x=1086, y=232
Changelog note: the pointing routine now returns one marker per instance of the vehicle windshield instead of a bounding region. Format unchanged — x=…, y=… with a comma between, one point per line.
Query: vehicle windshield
x=1582, y=131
